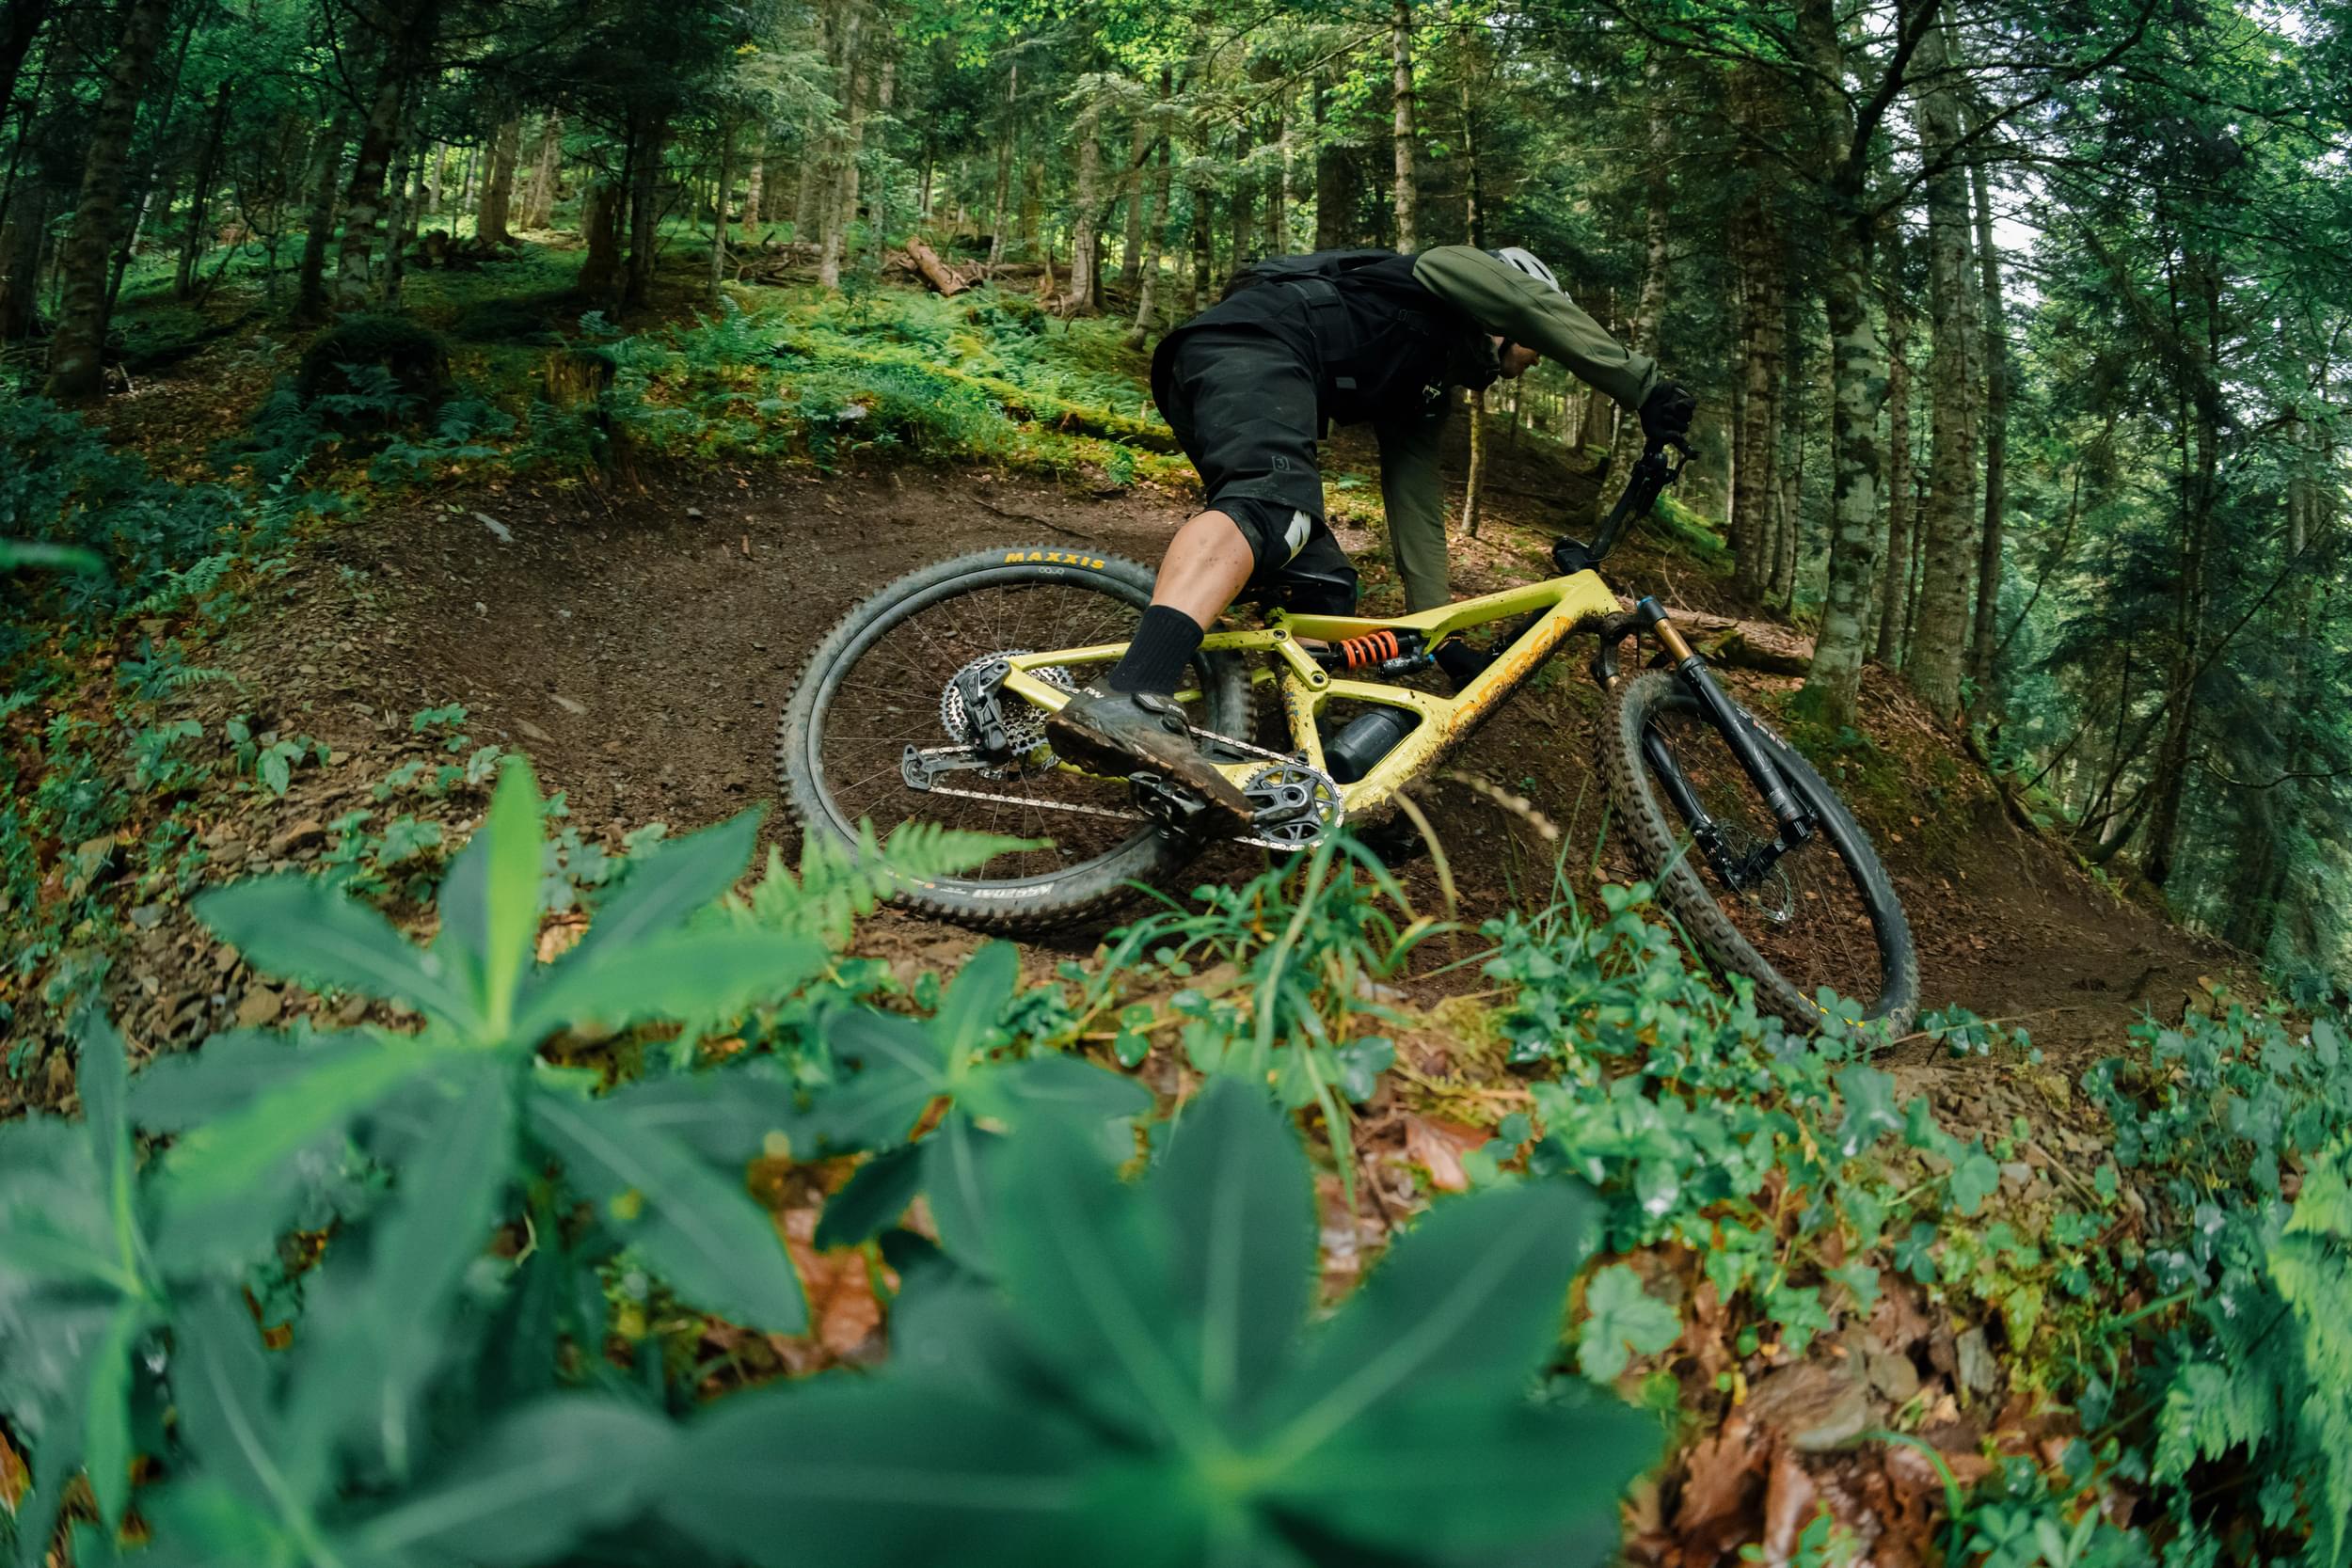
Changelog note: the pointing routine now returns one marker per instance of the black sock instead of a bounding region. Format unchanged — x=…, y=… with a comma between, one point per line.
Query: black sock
x=1155, y=660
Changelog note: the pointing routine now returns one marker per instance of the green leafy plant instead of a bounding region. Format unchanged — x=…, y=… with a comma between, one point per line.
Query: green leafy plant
x=1140, y=1384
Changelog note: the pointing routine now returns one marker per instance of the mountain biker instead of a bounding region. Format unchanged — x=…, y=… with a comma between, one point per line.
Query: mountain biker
x=1248, y=385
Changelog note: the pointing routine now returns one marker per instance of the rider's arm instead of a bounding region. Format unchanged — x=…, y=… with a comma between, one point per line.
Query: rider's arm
x=1504, y=300
x=1415, y=499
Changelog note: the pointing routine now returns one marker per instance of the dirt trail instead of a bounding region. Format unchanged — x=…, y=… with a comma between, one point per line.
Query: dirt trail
x=638, y=648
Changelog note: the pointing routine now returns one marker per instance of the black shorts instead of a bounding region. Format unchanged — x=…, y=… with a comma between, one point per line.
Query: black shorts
x=1242, y=401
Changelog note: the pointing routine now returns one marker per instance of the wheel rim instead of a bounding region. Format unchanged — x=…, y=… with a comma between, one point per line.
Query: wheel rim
x=1810, y=918
x=885, y=692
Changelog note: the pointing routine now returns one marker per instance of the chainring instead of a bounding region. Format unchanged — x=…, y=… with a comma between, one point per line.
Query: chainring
x=1294, y=806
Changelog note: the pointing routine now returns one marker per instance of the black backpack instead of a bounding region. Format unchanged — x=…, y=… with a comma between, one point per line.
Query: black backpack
x=1382, y=337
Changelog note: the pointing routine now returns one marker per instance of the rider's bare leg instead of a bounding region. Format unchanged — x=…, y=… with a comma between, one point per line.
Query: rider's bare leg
x=1206, y=564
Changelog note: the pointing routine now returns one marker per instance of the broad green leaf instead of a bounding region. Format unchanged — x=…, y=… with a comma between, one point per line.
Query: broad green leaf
x=546, y=1477
x=104, y=1078
x=851, y=1474
x=1066, y=1087
x=221, y=1383
x=383, y=1334
x=668, y=883
x=959, y=1166
x=1973, y=1178
x=698, y=1230
x=873, y=1199
x=61, y=558
x=1238, y=1200
x=889, y=1074
x=106, y=1416
x=299, y=928
x=224, y=1161
x=1473, y=1297
x=188, y=1089
x=510, y=890
x=1470, y=1473
x=704, y=974
x=1621, y=1314
x=1091, y=1267
x=1871, y=1115
x=729, y=1116
x=974, y=1001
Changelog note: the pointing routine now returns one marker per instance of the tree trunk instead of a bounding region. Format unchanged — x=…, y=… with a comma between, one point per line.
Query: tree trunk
x=1240, y=212
x=1763, y=265
x=1401, y=52
x=414, y=23
x=1147, y=293
x=207, y=170
x=1131, y=247
x=644, y=212
x=840, y=196
x=1083, y=216
x=755, y=182
x=311, y=299
x=1939, y=646
x=880, y=196
x=1894, y=593
x=77, y=367
x=545, y=173
x=1473, y=216
x=1641, y=332
x=497, y=188
x=1004, y=166
x=1788, y=516
x=1335, y=202
x=1277, y=241
x=2200, y=446
x=600, y=209
x=720, y=217
x=1204, y=230
x=407, y=196
x=1984, y=642
x=1858, y=371
x=1477, y=463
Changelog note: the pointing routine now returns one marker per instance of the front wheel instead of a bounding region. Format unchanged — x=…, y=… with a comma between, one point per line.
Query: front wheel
x=1824, y=916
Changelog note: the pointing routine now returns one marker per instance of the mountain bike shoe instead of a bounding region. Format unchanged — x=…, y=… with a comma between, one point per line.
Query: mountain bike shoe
x=1119, y=733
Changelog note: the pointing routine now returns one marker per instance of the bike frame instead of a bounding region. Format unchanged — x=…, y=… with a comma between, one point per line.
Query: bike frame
x=1561, y=607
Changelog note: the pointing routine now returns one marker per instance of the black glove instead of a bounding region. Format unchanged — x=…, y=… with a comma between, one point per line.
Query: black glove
x=1667, y=412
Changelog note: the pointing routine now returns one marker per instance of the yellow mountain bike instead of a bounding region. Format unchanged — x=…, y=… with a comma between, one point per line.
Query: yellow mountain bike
x=928, y=703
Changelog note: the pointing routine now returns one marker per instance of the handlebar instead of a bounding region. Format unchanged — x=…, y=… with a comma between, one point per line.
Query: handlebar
x=1651, y=475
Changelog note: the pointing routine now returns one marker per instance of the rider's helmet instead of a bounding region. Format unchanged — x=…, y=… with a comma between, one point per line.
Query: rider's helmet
x=1530, y=263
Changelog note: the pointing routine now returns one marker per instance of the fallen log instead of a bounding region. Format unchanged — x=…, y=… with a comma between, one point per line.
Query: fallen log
x=1756, y=645
x=935, y=272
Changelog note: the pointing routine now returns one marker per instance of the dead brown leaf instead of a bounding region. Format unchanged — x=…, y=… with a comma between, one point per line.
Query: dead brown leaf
x=1436, y=1146
x=14, y=1477
x=1789, y=1498
x=843, y=1314
x=1719, y=1488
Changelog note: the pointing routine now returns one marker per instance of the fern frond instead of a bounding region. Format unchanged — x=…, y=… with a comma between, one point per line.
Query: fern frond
x=839, y=884
x=2312, y=1266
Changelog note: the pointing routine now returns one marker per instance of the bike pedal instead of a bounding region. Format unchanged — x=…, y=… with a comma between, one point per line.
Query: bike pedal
x=1168, y=805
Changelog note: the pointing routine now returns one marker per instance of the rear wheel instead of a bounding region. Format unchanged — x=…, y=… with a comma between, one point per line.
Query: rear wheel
x=1824, y=915
x=885, y=679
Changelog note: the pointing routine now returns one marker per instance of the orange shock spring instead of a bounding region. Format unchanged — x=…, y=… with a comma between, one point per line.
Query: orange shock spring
x=1378, y=647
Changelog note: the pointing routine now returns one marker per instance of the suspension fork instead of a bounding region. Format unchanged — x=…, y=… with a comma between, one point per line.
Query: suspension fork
x=1796, y=823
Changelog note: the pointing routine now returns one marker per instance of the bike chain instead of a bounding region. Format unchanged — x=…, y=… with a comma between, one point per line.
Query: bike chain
x=1294, y=758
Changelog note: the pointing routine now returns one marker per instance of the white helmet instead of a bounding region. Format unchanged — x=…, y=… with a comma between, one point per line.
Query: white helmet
x=1527, y=263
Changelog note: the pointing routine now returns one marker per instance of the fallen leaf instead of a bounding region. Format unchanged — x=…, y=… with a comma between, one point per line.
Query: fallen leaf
x=842, y=1311
x=1789, y=1498
x=1719, y=1487
x=1438, y=1147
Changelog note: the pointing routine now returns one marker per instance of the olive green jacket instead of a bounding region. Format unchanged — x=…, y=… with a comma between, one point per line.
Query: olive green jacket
x=1509, y=303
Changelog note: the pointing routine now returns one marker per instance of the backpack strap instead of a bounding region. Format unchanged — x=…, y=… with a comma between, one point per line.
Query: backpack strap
x=1326, y=313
